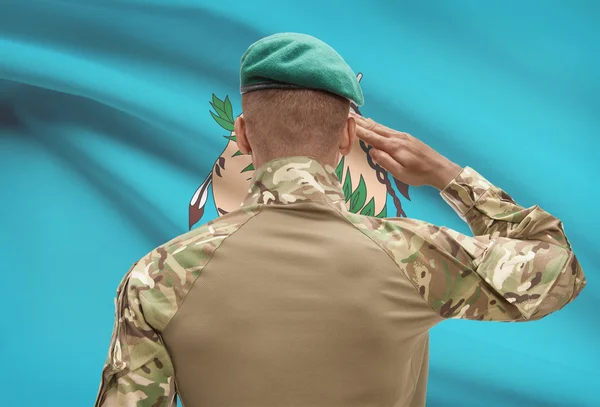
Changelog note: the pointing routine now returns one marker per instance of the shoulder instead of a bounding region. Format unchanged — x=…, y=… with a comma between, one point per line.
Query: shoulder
x=393, y=235
x=406, y=239
x=206, y=238
x=389, y=229
x=164, y=276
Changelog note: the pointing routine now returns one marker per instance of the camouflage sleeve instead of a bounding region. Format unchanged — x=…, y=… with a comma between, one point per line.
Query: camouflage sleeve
x=490, y=211
x=138, y=371
x=519, y=266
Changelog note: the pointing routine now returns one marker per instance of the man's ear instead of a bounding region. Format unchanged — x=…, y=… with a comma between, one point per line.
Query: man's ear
x=348, y=136
x=239, y=128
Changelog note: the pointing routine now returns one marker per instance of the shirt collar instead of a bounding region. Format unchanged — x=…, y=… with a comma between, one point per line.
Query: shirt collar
x=294, y=179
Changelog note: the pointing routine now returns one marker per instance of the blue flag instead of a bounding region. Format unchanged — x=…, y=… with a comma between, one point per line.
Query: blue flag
x=116, y=135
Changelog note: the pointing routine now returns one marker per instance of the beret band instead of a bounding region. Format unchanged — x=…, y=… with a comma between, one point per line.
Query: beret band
x=268, y=85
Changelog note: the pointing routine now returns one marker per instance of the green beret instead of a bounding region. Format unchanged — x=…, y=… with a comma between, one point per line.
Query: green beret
x=294, y=61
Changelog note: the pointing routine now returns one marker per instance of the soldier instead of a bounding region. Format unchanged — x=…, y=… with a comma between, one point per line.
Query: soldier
x=292, y=299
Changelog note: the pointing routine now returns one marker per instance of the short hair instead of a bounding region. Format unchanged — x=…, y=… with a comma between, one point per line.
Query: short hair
x=286, y=122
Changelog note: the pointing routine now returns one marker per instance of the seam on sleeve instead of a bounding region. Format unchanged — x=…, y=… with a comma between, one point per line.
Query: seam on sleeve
x=391, y=258
x=260, y=208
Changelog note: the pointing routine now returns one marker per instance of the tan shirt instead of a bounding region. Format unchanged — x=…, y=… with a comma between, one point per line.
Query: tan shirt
x=294, y=301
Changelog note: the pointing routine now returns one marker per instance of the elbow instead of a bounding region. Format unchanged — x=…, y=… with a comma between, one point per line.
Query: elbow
x=566, y=288
x=571, y=282
x=576, y=278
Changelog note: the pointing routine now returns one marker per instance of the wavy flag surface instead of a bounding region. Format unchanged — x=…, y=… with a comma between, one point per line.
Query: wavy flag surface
x=116, y=135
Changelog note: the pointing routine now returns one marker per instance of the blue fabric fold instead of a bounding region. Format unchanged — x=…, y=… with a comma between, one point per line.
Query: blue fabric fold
x=105, y=134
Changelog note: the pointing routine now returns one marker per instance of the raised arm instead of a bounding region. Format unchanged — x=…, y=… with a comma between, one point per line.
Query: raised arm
x=519, y=265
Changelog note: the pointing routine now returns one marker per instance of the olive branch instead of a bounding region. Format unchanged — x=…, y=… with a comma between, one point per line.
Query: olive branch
x=357, y=197
x=224, y=118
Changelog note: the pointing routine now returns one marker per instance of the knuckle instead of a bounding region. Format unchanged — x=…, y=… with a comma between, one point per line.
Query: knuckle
x=396, y=143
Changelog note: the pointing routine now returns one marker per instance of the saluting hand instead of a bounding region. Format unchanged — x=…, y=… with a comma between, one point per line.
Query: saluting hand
x=406, y=158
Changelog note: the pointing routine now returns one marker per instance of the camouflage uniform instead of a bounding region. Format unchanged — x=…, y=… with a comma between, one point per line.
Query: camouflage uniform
x=307, y=304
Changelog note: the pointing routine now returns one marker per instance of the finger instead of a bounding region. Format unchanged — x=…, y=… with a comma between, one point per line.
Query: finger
x=377, y=127
x=370, y=125
x=376, y=140
x=362, y=121
x=387, y=162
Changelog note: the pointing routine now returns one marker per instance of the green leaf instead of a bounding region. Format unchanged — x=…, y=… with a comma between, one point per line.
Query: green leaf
x=383, y=212
x=249, y=168
x=220, y=112
x=228, y=109
x=347, y=186
x=221, y=122
x=340, y=169
x=237, y=153
x=359, y=196
x=369, y=209
x=232, y=138
x=218, y=102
